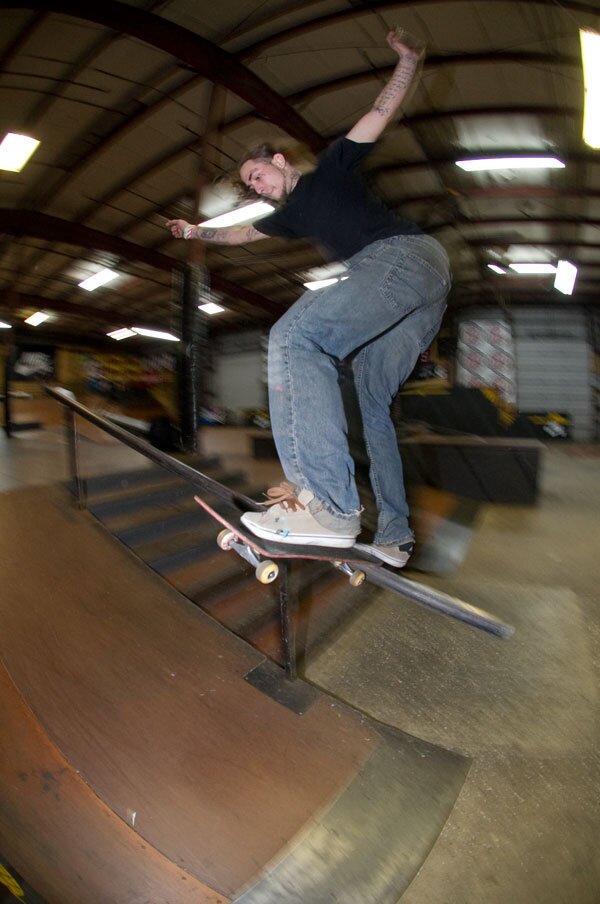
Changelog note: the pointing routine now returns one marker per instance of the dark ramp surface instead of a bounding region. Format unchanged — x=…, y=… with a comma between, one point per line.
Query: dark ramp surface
x=137, y=702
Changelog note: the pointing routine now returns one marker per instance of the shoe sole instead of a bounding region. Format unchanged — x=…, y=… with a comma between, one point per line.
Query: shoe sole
x=299, y=539
x=389, y=560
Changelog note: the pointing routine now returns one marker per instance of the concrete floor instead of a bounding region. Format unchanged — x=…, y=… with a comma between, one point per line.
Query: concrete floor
x=526, y=711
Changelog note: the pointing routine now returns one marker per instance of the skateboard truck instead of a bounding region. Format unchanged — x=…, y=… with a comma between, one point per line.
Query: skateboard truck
x=266, y=570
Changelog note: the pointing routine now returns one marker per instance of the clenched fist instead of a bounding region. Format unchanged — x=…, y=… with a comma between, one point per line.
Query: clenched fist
x=179, y=228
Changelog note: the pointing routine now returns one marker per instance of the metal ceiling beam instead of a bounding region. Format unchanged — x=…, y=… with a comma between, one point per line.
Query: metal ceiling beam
x=436, y=162
x=317, y=22
x=518, y=222
x=10, y=300
x=500, y=193
x=195, y=51
x=502, y=241
x=43, y=226
x=496, y=57
x=49, y=228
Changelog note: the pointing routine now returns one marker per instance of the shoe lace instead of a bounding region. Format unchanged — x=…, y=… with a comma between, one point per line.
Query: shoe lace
x=284, y=494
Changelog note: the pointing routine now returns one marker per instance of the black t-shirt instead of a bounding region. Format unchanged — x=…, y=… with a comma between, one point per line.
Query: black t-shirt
x=333, y=207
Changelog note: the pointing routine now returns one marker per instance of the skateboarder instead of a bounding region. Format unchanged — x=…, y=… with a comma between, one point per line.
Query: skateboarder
x=383, y=315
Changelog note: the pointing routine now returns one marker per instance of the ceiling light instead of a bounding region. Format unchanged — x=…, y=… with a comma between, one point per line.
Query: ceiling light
x=154, y=334
x=240, y=214
x=321, y=283
x=566, y=274
x=211, y=307
x=37, y=318
x=495, y=163
x=590, y=58
x=15, y=151
x=496, y=268
x=533, y=269
x=98, y=279
x=123, y=333
x=5, y=326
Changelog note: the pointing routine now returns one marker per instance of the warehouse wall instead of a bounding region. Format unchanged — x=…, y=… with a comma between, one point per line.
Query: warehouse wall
x=553, y=357
x=555, y=364
x=238, y=379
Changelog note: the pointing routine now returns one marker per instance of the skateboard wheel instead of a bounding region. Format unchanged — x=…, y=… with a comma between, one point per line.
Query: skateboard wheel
x=224, y=539
x=267, y=571
x=356, y=578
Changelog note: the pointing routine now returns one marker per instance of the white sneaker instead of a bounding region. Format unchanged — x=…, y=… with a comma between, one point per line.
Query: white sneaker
x=289, y=521
x=397, y=556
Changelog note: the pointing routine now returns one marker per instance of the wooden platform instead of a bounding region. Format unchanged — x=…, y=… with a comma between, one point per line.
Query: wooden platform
x=137, y=762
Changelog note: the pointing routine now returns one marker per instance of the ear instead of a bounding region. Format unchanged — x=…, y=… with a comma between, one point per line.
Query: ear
x=279, y=161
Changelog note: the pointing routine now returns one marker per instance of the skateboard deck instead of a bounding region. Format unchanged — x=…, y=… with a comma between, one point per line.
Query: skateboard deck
x=261, y=553
x=356, y=565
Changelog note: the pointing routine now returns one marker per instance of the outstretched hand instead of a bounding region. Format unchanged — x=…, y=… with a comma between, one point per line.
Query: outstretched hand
x=177, y=228
x=404, y=44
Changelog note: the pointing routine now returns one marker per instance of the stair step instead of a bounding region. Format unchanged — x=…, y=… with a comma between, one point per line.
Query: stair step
x=120, y=504
x=146, y=536
x=191, y=535
x=100, y=484
x=179, y=558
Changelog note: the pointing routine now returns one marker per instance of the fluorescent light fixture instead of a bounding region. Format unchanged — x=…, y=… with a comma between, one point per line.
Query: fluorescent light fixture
x=566, y=274
x=497, y=269
x=590, y=58
x=37, y=318
x=321, y=283
x=154, y=334
x=241, y=214
x=123, y=333
x=211, y=307
x=539, y=269
x=5, y=326
x=496, y=163
x=98, y=279
x=15, y=151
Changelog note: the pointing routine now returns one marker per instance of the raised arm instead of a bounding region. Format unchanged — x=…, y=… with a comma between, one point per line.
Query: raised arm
x=228, y=235
x=371, y=125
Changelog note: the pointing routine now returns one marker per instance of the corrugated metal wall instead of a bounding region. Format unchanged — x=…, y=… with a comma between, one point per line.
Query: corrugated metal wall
x=554, y=361
x=554, y=364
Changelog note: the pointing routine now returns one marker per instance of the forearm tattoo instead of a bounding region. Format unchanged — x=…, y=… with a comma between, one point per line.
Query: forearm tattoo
x=390, y=98
x=252, y=233
x=207, y=235
x=229, y=236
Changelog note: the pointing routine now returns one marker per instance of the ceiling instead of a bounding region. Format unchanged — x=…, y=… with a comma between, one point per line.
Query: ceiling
x=142, y=109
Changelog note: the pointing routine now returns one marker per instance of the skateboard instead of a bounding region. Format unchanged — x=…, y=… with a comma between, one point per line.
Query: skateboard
x=263, y=553
x=357, y=566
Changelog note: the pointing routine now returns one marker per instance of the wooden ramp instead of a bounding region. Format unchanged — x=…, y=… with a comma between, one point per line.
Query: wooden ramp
x=148, y=755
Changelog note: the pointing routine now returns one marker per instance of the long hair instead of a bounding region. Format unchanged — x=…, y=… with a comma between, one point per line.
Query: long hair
x=260, y=152
x=298, y=155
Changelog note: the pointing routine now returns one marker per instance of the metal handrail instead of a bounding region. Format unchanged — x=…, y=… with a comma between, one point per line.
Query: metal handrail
x=194, y=477
x=420, y=593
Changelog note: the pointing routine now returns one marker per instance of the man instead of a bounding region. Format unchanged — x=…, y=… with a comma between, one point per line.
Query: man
x=383, y=315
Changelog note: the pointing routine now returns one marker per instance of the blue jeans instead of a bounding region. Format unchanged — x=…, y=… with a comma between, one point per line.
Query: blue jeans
x=386, y=314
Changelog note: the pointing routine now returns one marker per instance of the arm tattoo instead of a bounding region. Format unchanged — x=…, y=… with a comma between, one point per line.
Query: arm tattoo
x=252, y=233
x=218, y=236
x=391, y=96
x=235, y=235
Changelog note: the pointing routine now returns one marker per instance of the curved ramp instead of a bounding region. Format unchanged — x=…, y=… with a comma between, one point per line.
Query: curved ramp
x=183, y=756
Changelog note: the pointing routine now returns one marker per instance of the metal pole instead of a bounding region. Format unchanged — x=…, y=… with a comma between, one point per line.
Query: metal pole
x=194, y=340
x=8, y=363
x=73, y=444
x=287, y=614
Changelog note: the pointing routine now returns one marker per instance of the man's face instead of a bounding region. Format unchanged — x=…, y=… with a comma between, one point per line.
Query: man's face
x=265, y=177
